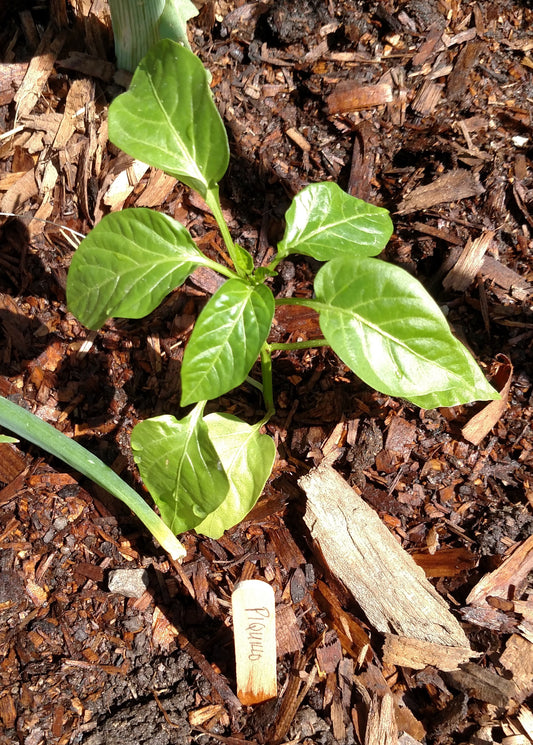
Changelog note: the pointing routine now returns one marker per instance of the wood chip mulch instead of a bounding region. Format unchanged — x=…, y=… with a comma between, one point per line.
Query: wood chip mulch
x=422, y=106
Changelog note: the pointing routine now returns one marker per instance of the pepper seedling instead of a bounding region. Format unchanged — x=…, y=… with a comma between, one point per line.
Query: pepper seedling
x=206, y=472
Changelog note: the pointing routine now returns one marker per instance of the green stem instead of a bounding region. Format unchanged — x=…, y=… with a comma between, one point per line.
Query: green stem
x=254, y=383
x=307, y=344
x=212, y=199
x=42, y=434
x=220, y=268
x=266, y=369
x=307, y=301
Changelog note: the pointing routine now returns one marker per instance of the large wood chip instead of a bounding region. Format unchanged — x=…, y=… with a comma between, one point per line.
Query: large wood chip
x=384, y=580
x=511, y=573
x=506, y=277
x=518, y=659
x=381, y=726
x=480, y=424
x=14, y=198
x=39, y=70
x=418, y=654
x=355, y=97
x=451, y=187
x=79, y=93
x=466, y=60
x=466, y=268
x=483, y=685
x=157, y=190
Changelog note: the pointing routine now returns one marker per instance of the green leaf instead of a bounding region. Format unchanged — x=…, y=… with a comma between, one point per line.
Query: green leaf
x=385, y=326
x=180, y=467
x=168, y=118
x=324, y=222
x=243, y=260
x=127, y=264
x=30, y=427
x=247, y=457
x=226, y=340
x=173, y=21
x=8, y=439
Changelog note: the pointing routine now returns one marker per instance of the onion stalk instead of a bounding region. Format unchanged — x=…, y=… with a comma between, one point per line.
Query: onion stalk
x=139, y=24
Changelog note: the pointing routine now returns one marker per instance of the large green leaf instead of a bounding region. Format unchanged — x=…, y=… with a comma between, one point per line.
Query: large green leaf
x=168, y=118
x=385, y=326
x=30, y=427
x=324, y=222
x=226, y=340
x=127, y=264
x=247, y=457
x=180, y=467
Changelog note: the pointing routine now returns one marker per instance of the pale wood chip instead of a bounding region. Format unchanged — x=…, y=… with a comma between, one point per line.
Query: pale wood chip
x=479, y=425
x=22, y=190
x=37, y=224
x=7, y=181
x=511, y=573
x=427, y=98
x=450, y=187
x=79, y=93
x=298, y=138
x=157, y=189
x=466, y=268
x=384, y=580
x=39, y=70
x=518, y=659
x=47, y=123
x=505, y=277
x=417, y=653
x=124, y=184
x=381, y=726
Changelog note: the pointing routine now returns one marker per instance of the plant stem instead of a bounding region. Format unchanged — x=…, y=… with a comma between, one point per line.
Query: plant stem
x=220, y=268
x=212, y=199
x=266, y=369
x=307, y=301
x=254, y=383
x=140, y=24
x=307, y=344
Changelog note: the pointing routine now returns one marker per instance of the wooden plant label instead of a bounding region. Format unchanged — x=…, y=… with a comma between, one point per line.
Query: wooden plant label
x=254, y=628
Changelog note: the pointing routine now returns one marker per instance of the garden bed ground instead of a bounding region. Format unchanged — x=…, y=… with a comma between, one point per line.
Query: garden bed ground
x=422, y=106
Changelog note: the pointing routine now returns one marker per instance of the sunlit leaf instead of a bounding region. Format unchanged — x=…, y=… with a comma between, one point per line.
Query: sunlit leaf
x=168, y=118
x=226, y=340
x=385, y=326
x=181, y=468
x=127, y=264
x=324, y=222
x=247, y=457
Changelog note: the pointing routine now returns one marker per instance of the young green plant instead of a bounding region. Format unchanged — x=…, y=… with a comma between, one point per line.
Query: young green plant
x=206, y=472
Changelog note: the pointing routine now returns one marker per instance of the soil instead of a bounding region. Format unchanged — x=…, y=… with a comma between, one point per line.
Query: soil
x=424, y=107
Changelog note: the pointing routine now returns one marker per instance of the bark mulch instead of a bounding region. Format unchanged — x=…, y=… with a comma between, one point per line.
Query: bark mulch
x=422, y=106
